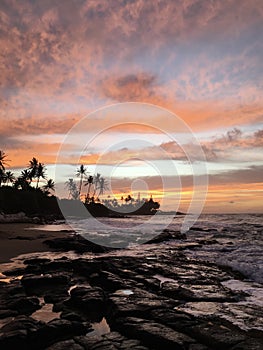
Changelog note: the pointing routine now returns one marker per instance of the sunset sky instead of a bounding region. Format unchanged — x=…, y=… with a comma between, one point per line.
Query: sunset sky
x=202, y=60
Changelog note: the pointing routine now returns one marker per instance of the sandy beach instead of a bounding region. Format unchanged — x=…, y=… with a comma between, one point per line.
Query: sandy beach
x=16, y=239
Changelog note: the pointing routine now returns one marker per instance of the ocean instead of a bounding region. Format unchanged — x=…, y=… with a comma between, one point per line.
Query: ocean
x=238, y=238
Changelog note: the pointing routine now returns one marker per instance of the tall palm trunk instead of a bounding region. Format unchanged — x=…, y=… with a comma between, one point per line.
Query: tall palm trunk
x=37, y=181
x=89, y=189
x=80, y=183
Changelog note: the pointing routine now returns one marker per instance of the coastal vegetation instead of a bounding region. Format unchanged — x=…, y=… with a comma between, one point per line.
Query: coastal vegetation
x=33, y=193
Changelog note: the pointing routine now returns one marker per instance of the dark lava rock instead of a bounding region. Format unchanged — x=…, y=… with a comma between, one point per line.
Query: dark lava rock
x=208, y=241
x=24, y=305
x=155, y=312
x=14, y=335
x=14, y=301
x=107, y=280
x=166, y=235
x=110, y=341
x=152, y=334
x=199, y=229
x=27, y=333
x=76, y=243
x=14, y=272
x=216, y=336
x=87, y=298
x=172, y=318
x=59, y=329
x=71, y=316
x=22, y=238
x=36, y=261
x=249, y=344
x=4, y=313
x=66, y=344
x=36, y=282
x=138, y=304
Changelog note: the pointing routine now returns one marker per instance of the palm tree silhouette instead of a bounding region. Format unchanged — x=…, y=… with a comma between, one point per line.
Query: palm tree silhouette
x=2, y=176
x=3, y=160
x=96, y=182
x=26, y=176
x=22, y=183
x=103, y=185
x=81, y=172
x=88, y=183
x=49, y=186
x=9, y=177
x=33, y=165
x=72, y=188
x=40, y=173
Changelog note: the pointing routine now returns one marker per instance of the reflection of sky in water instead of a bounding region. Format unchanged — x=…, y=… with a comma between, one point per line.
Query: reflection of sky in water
x=100, y=328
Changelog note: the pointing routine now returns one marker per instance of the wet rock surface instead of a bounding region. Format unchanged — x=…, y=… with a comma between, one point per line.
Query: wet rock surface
x=158, y=299
x=76, y=243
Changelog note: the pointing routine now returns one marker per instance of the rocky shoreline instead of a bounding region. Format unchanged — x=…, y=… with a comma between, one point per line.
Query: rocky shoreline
x=118, y=299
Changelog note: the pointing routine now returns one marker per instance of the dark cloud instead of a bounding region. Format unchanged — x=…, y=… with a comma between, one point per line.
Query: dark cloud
x=132, y=87
x=223, y=147
x=233, y=134
x=259, y=134
x=36, y=126
x=250, y=175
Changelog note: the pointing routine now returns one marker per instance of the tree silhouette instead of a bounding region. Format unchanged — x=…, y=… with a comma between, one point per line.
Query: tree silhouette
x=26, y=176
x=81, y=172
x=96, y=182
x=2, y=176
x=88, y=183
x=9, y=177
x=49, y=186
x=40, y=173
x=103, y=185
x=3, y=160
x=72, y=188
x=33, y=166
x=22, y=183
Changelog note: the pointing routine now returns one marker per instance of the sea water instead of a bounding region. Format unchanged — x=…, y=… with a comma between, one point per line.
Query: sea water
x=237, y=239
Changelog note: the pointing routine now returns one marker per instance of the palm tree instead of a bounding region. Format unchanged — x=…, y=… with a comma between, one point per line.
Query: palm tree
x=2, y=176
x=102, y=185
x=33, y=165
x=88, y=183
x=26, y=176
x=96, y=182
x=72, y=188
x=49, y=186
x=40, y=172
x=3, y=160
x=21, y=183
x=81, y=172
x=9, y=177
